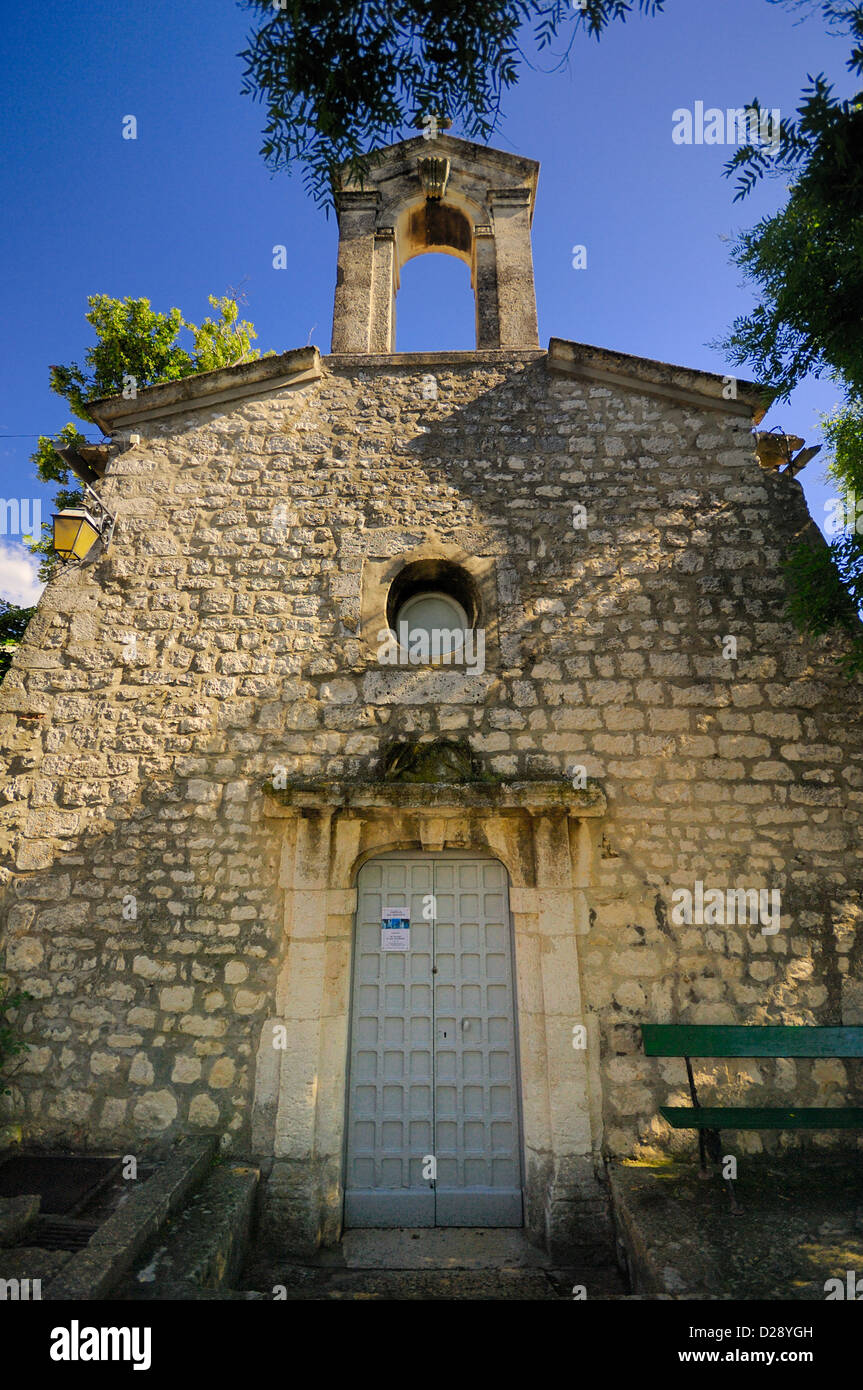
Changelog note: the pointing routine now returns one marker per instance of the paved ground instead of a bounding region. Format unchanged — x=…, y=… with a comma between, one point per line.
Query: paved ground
x=800, y=1224
x=798, y=1235
x=453, y=1264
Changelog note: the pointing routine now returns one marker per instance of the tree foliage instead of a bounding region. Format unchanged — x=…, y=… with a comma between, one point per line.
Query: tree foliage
x=342, y=78
x=806, y=259
x=10, y=1043
x=50, y=468
x=138, y=344
x=13, y=621
x=827, y=580
x=806, y=262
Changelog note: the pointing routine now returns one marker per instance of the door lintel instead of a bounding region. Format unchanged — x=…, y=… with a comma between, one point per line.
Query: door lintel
x=534, y=797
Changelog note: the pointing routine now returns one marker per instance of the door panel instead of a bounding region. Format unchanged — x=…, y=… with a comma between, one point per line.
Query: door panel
x=433, y=1050
x=390, y=1116
x=476, y=1099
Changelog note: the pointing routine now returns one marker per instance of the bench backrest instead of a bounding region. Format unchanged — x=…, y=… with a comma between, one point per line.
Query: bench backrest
x=769, y=1040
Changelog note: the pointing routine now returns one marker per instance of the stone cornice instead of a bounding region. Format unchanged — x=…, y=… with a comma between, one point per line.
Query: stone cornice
x=536, y=798
x=482, y=358
x=510, y=197
x=204, y=389
x=645, y=375
x=391, y=158
x=299, y=365
x=357, y=199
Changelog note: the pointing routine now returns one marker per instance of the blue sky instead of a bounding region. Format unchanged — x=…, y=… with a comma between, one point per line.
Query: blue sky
x=189, y=208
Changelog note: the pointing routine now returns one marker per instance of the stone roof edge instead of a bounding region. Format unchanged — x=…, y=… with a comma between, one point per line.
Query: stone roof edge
x=218, y=387
x=456, y=358
x=299, y=365
x=687, y=385
x=453, y=145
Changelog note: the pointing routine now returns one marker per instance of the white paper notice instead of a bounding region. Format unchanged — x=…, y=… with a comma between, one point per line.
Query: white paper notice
x=395, y=932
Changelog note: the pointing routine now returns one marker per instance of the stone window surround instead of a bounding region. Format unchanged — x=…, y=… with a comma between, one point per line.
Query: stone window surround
x=541, y=832
x=378, y=577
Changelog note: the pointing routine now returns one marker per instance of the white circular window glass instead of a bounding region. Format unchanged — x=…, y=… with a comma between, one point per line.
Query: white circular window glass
x=436, y=615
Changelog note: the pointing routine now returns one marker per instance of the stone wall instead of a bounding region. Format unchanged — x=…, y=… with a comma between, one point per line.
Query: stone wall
x=222, y=638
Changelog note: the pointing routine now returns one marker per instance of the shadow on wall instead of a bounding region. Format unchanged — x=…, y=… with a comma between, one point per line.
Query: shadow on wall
x=143, y=917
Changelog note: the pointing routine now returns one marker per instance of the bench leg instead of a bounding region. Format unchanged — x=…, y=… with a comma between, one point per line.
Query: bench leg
x=736, y=1209
x=704, y=1171
x=693, y=1094
x=713, y=1145
x=702, y=1154
x=709, y=1143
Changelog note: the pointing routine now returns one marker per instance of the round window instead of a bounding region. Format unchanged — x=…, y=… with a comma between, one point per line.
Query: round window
x=433, y=618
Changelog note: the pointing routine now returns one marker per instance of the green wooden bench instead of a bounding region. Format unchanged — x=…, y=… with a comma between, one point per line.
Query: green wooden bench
x=773, y=1040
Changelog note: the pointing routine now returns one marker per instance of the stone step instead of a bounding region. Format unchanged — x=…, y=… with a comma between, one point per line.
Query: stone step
x=489, y=1285
x=437, y=1263
x=95, y=1271
x=206, y=1245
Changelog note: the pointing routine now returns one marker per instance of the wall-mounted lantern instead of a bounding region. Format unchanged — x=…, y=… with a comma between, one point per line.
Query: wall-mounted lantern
x=81, y=534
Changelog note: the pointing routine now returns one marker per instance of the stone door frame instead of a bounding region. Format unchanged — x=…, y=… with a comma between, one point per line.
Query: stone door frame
x=541, y=832
x=439, y=1201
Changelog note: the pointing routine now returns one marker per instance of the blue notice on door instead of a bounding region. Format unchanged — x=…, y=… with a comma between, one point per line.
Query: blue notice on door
x=395, y=932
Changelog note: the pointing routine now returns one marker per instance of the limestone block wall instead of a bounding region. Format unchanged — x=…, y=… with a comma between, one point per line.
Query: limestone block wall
x=222, y=637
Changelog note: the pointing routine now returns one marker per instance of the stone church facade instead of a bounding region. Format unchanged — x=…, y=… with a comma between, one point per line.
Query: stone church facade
x=220, y=774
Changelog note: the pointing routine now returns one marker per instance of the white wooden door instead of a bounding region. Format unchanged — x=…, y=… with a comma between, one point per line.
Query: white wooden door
x=433, y=1133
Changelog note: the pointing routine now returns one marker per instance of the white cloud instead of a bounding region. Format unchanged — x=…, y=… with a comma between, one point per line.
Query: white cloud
x=18, y=575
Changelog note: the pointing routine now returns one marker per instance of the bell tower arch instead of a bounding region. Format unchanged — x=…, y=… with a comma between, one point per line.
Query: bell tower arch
x=445, y=195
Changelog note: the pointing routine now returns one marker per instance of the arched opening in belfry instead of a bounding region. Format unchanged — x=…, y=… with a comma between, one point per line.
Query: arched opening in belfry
x=435, y=307
x=421, y=197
